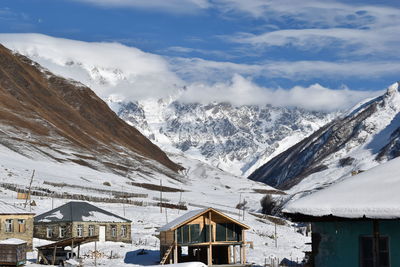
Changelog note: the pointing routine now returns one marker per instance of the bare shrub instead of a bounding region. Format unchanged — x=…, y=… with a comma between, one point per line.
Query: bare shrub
x=268, y=204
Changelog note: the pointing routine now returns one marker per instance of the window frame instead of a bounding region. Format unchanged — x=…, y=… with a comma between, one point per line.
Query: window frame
x=21, y=223
x=373, y=239
x=79, y=230
x=91, y=230
x=114, y=230
x=62, y=230
x=49, y=231
x=9, y=225
x=124, y=231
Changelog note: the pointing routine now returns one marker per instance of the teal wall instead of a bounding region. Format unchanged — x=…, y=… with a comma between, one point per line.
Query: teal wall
x=339, y=245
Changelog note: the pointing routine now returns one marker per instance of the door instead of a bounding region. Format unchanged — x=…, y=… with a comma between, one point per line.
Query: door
x=102, y=233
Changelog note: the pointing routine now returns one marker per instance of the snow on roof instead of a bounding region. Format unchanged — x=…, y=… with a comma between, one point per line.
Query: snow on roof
x=79, y=212
x=12, y=241
x=6, y=208
x=371, y=194
x=181, y=219
x=185, y=264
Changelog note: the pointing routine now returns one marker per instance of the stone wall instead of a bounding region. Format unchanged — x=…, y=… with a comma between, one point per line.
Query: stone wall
x=24, y=233
x=72, y=231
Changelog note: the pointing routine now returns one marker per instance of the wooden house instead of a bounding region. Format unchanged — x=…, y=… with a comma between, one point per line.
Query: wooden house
x=13, y=252
x=205, y=235
x=81, y=219
x=16, y=223
x=355, y=222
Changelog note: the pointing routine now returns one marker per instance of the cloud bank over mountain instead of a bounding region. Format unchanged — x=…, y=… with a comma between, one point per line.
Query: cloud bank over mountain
x=129, y=73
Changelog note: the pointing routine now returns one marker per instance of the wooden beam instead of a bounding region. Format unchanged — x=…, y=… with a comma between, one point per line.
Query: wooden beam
x=210, y=255
x=234, y=254
x=176, y=247
x=244, y=246
x=54, y=255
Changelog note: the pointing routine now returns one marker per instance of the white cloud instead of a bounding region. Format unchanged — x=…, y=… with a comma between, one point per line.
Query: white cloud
x=349, y=29
x=241, y=91
x=196, y=69
x=115, y=69
x=106, y=67
x=173, y=6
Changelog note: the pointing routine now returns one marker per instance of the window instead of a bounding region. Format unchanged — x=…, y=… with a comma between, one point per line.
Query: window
x=91, y=230
x=189, y=234
x=228, y=232
x=61, y=231
x=368, y=255
x=49, y=232
x=9, y=226
x=21, y=226
x=79, y=230
x=113, y=230
x=123, y=230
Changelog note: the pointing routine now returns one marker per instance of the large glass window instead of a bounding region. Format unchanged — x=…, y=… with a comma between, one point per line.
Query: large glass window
x=9, y=226
x=189, y=234
x=228, y=232
x=372, y=251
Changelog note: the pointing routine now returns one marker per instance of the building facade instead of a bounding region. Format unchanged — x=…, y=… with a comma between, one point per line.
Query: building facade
x=205, y=235
x=16, y=223
x=356, y=221
x=81, y=219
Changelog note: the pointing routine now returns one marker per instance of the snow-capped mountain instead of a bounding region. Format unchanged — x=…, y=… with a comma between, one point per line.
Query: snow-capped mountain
x=365, y=136
x=44, y=116
x=235, y=138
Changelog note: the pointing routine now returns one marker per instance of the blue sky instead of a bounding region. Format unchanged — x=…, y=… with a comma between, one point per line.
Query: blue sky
x=275, y=43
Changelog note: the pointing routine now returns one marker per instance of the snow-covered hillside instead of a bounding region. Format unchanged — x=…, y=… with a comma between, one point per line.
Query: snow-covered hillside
x=235, y=138
x=361, y=139
x=54, y=183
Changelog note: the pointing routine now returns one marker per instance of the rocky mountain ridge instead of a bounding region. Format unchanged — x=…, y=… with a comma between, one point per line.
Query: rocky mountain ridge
x=361, y=139
x=46, y=116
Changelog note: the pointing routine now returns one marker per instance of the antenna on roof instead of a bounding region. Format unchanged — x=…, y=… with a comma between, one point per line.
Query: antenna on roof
x=29, y=192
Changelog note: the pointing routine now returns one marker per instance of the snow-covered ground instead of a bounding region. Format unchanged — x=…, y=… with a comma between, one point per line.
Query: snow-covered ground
x=204, y=186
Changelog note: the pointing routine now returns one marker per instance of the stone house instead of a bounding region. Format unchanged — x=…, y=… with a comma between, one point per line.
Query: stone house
x=16, y=223
x=81, y=219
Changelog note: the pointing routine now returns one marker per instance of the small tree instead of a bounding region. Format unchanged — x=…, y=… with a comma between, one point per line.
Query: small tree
x=268, y=204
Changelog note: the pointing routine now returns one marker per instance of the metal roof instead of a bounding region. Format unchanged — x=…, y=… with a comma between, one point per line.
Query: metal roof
x=193, y=215
x=6, y=208
x=75, y=211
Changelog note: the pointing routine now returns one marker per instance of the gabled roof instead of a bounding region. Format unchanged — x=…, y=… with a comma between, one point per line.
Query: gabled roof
x=6, y=208
x=191, y=215
x=78, y=212
x=373, y=194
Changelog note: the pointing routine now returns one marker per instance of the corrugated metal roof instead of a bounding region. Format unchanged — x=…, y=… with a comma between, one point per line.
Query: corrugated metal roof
x=75, y=211
x=6, y=208
x=192, y=215
x=181, y=219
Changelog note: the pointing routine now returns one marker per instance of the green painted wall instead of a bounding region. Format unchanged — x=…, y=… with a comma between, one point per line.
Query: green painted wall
x=339, y=245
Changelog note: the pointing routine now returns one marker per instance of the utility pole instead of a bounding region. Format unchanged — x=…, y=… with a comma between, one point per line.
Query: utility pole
x=240, y=199
x=180, y=199
x=276, y=238
x=161, y=195
x=29, y=191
